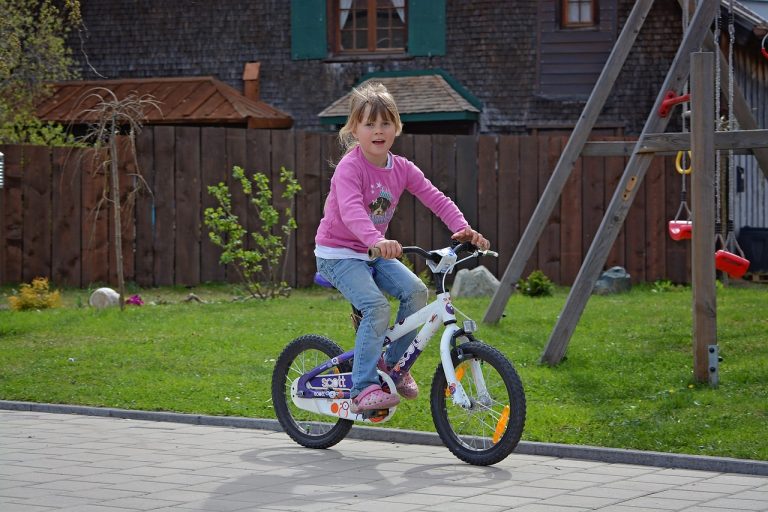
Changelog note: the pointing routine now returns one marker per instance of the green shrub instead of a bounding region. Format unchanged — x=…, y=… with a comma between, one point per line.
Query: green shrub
x=537, y=285
x=258, y=267
x=35, y=296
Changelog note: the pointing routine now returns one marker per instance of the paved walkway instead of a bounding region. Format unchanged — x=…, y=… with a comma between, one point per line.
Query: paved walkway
x=91, y=464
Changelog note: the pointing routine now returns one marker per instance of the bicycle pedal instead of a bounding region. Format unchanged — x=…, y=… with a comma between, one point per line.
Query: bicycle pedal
x=375, y=414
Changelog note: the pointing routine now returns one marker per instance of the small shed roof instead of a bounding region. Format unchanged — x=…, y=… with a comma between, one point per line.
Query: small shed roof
x=420, y=96
x=181, y=100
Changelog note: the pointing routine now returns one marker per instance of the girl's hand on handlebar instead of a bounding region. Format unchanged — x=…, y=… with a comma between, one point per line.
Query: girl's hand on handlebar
x=470, y=235
x=387, y=249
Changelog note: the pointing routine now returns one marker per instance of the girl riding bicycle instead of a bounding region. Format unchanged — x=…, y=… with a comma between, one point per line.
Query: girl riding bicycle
x=365, y=189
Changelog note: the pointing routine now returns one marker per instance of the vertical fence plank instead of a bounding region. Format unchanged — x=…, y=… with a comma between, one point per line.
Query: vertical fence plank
x=67, y=206
x=488, y=194
x=444, y=178
x=422, y=216
x=635, y=230
x=37, y=203
x=235, y=147
x=283, y=155
x=145, y=208
x=95, y=219
x=213, y=170
x=12, y=219
x=656, y=223
x=593, y=193
x=165, y=197
x=572, y=207
x=614, y=168
x=529, y=190
x=130, y=186
x=549, y=242
x=466, y=175
x=331, y=151
x=188, y=209
x=467, y=178
x=307, y=208
x=402, y=226
x=509, y=199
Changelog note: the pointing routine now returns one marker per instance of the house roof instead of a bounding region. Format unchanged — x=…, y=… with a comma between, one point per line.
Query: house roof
x=757, y=8
x=420, y=96
x=181, y=100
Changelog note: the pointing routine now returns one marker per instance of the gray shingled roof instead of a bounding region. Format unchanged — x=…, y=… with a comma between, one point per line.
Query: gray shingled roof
x=419, y=94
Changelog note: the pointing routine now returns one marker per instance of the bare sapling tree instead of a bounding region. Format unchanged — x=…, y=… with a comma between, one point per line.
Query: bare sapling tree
x=115, y=117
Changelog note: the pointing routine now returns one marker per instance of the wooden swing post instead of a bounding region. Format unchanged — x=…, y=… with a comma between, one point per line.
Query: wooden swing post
x=702, y=197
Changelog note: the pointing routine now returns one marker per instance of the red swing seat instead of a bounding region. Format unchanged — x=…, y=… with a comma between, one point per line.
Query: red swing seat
x=680, y=229
x=732, y=264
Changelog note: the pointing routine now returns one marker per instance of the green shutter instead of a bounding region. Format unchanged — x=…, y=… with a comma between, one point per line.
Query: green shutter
x=426, y=27
x=308, y=29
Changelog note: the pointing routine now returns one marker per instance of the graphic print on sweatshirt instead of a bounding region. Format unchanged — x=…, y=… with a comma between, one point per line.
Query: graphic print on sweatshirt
x=381, y=210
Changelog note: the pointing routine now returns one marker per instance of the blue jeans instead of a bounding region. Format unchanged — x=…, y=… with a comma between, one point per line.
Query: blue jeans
x=354, y=280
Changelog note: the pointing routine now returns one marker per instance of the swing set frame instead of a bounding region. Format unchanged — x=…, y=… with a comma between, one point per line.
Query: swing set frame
x=702, y=141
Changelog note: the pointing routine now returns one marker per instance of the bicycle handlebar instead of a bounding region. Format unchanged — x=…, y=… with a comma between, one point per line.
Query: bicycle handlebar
x=375, y=252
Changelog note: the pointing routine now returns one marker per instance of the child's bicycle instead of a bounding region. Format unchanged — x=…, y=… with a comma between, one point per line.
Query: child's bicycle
x=477, y=398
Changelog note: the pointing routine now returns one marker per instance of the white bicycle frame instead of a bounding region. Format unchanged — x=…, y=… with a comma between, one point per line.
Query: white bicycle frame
x=427, y=320
x=439, y=311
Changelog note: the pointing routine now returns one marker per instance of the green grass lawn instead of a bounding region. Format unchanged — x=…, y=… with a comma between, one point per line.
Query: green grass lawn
x=626, y=382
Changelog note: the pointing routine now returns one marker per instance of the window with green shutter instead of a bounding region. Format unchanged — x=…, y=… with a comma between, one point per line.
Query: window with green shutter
x=308, y=29
x=361, y=28
x=426, y=28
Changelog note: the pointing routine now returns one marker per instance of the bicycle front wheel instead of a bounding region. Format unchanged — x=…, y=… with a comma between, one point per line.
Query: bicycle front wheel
x=309, y=429
x=489, y=430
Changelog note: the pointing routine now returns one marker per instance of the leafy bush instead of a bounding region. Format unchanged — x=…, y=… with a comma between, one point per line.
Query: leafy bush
x=258, y=267
x=30, y=130
x=35, y=296
x=537, y=285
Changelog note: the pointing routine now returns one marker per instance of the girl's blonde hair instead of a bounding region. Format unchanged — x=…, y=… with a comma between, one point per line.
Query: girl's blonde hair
x=381, y=102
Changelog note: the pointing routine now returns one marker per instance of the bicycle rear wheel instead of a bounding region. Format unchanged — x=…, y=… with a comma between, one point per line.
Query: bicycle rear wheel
x=309, y=429
x=490, y=429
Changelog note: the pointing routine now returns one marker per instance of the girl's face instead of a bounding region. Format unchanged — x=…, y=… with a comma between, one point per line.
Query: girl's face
x=375, y=137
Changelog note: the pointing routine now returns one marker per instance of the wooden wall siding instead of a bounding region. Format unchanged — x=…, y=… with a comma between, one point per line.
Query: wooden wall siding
x=50, y=225
x=749, y=204
x=570, y=60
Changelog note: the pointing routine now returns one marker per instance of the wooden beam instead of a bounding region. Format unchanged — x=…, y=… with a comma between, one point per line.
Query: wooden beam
x=568, y=158
x=626, y=190
x=702, y=197
x=670, y=143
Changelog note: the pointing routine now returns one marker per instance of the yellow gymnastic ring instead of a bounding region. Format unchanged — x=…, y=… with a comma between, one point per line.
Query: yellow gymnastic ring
x=679, y=163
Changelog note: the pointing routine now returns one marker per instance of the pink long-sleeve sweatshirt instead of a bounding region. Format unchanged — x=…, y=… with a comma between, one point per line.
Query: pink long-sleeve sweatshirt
x=364, y=197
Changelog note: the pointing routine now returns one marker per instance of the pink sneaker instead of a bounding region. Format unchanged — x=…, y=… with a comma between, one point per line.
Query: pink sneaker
x=373, y=398
x=406, y=386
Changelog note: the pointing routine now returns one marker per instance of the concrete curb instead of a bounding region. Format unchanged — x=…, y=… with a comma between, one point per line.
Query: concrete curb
x=611, y=455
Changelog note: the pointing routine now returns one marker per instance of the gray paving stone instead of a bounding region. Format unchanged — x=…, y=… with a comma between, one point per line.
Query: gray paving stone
x=96, y=463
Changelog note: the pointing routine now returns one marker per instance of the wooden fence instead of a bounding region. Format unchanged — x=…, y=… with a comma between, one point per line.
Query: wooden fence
x=55, y=223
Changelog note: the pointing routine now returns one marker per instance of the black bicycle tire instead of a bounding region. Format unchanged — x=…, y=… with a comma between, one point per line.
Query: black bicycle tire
x=280, y=401
x=438, y=403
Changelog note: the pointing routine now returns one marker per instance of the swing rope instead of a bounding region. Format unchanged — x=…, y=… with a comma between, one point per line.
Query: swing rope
x=730, y=241
x=719, y=239
x=681, y=168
